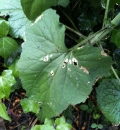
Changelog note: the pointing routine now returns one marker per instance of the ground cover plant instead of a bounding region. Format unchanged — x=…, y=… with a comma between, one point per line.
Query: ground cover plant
x=61, y=53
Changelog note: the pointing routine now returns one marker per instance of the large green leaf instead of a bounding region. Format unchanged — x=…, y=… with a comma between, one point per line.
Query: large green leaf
x=7, y=45
x=53, y=75
x=33, y=8
x=6, y=81
x=4, y=28
x=108, y=98
x=17, y=21
x=3, y=112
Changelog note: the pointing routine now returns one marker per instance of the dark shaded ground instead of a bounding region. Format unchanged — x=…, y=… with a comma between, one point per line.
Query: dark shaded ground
x=81, y=120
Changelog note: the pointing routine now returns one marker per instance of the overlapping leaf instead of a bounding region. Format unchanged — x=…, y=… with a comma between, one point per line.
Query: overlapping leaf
x=30, y=106
x=6, y=81
x=33, y=8
x=7, y=45
x=108, y=98
x=17, y=21
x=115, y=38
x=3, y=112
x=4, y=28
x=53, y=75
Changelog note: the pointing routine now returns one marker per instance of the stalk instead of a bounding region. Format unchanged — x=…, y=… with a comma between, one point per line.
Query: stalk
x=76, y=32
x=106, y=13
x=96, y=37
x=69, y=19
x=115, y=74
x=116, y=20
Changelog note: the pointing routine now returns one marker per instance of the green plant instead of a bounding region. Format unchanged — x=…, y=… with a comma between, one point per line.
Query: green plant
x=53, y=75
x=58, y=124
x=96, y=126
x=7, y=45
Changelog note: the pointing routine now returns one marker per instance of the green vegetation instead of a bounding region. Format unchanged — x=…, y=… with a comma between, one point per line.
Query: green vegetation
x=56, y=75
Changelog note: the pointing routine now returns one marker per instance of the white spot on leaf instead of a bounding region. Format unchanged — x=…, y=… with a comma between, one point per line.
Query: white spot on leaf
x=70, y=62
x=64, y=63
x=88, y=82
x=80, y=47
x=52, y=73
x=63, y=66
x=69, y=69
x=51, y=55
x=84, y=70
x=46, y=58
x=75, y=62
x=103, y=53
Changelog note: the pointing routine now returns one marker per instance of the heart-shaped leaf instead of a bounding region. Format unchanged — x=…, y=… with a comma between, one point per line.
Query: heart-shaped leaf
x=53, y=75
x=4, y=28
x=108, y=98
x=7, y=45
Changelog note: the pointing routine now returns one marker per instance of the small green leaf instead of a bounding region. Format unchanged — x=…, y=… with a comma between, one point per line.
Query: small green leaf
x=100, y=126
x=61, y=124
x=115, y=38
x=43, y=127
x=7, y=45
x=48, y=121
x=33, y=8
x=64, y=127
x=96, y=116
x=3, y=112
x=83, y=107
x=17, y=20
x=6, y=81
x=60, y=120
x=36, y=127
x=46, y=127
x=4, y=28
x=94, y=125
x=108, y=98
x=29, y=105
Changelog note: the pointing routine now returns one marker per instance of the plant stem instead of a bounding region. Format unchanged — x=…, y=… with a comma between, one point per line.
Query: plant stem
x=70, y=37
x=106, y=13
x=115, y=74
x=78, y=33
x=96, y=37
x=116, y=20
